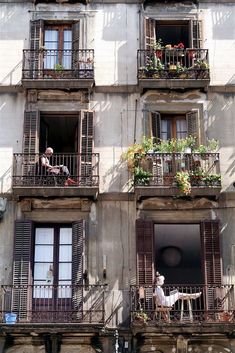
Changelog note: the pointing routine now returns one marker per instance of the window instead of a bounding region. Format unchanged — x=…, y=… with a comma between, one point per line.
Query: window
x=58, y=43
x=204, y=248
x=172, y=32
x=54, y=269
x=166, y=126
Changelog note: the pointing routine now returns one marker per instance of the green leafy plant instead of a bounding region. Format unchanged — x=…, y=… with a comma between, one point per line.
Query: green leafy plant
x=140, y=315
x=182, y=179
x=141, y=176
x=59, y=68
x=137, y=152
x=212, y=179
x=213, y=145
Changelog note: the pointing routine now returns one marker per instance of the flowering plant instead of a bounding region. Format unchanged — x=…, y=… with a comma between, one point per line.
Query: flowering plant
x=183, y=182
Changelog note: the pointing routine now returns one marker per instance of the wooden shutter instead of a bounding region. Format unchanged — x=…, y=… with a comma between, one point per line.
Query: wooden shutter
x=86, y=146
x=36, y=41
x=211, y=252
x=75, y=45
x=78, y=246
x=144, y=246
x=192, y=119
x=21, y=294
x=156, y=126
x=211, y=263
x=150, y=33
x=196, y=34
x=31, y=132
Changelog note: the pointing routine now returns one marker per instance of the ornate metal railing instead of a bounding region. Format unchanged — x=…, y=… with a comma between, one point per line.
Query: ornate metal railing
x=50, y=303
x=160, y=169
x=83, y=169
x=173, y=64
x=192, y=304
x=58, y=64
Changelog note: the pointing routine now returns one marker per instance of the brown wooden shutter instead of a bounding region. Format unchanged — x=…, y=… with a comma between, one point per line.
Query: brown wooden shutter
x=75, y=45
x=78, y=246
x=36, y=41
x=86, y=146
x=192, y=119
x=21, y=294
x=150, y=33
x=144, y=247
x=211, y=252
x=31, y=132
x=156, y=126
x=196, y=34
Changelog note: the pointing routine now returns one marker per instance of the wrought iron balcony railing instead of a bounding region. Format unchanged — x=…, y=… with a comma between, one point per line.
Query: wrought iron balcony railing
x=51, y=303
x=186, y=64
x=52, y=64
x=83, y=168
x=198, y=303
x=160, y=169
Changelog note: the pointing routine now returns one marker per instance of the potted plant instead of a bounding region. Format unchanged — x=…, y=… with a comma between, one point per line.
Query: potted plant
x=141, y=176
x=182, y=179
x=212, y=180
x=140, y=318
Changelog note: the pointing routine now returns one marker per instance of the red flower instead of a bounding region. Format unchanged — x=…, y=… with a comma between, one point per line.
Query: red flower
x=181, y=45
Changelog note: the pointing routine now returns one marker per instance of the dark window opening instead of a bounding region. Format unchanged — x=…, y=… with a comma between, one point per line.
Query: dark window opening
x=173, y=126
x=59, y=132
x=173, y=32
x=177, y=253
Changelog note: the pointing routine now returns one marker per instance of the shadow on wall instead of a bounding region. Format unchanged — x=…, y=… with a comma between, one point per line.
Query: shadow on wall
x=223, y=23
x=113, y=176
x=15, y=72
x=219, y=125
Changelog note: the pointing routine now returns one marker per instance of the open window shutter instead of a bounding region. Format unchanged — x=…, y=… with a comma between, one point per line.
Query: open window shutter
x=144, y=248
x=156, y=126
x=150, y=33
x=196, y=34
x=75, y=45
x=86, y=146
x=212, y=260
x=30, y=140
x=192, y=119
x=36, y=41
x=21, y=296
x=78, y=245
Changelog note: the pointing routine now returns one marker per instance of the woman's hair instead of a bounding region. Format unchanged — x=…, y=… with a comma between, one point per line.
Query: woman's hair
x=159, y=278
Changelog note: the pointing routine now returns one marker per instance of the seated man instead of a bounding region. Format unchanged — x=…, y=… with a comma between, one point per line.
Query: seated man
x=47, y=169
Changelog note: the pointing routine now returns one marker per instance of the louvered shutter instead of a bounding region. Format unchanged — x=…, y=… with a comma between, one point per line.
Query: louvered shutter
x=192, y=119
x=75, y=45
x=196, y=34
x=78, y=246
x=211, y=261
x=156, y=126
x=21, y=293
x=86, y=147
x=30, y=141
x=150, y=33
x=36, y=56
x=144, y=248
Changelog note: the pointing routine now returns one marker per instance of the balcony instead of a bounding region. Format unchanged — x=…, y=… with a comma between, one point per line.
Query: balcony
x=29, y=178
x=58, y=68
x=54, y=304
x=177, y=174
x=212, y=304
x=173, y=68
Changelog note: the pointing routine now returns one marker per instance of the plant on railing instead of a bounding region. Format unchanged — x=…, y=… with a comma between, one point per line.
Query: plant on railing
x=141, y=176
x=201, y=64
x=212, y=179
x=140, y=316
x=182, y=179
x=59, y=68
x=137, y=152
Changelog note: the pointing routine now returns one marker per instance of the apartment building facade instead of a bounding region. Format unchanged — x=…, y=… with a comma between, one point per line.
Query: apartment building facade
x=99, y=82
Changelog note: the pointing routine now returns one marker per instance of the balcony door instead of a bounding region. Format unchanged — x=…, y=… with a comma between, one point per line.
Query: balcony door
x=58, y=45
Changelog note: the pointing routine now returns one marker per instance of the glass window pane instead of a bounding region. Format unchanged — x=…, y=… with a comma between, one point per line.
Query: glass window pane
x=64, y=291
x=65, y=235
x=65, y=253
x=51, y=39
x=181, y=128
x=42, y=272
x=67, y=39
x=42, y=291
x=65, y=271
x=44, y=236
x=43, y=253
